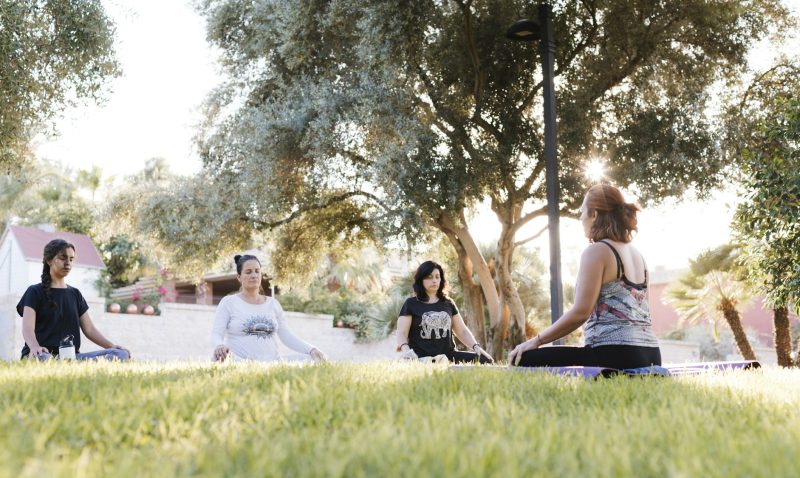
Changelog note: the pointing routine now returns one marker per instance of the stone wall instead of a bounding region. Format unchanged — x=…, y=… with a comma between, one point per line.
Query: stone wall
x=183, y=331
x=10, y=328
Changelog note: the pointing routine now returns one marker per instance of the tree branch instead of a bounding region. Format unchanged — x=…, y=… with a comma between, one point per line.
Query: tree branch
x=492, y=129
x=757, y=80
x=528, y=217
x=472, y=50
x=477, y=87
x=537, y=170
x=519, y=243
x=458, y=136
x=315, y=207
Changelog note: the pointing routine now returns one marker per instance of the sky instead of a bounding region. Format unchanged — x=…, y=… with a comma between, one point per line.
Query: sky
x=168, y=70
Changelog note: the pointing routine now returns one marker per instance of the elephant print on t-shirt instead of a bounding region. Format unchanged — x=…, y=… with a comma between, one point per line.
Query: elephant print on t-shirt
x=437, y=323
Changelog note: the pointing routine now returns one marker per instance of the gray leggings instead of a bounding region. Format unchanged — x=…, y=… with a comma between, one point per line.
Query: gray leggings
x=108, y=354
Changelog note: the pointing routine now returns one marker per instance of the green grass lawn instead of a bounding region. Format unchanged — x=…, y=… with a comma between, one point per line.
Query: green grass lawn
x=390, y=419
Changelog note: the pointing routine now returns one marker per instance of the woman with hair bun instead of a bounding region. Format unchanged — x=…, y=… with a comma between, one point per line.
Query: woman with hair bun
x=246, y=323
x=428, y=321
x=610, y=296
x=53, y=311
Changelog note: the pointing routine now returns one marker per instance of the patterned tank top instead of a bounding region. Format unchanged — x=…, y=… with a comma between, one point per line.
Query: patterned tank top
x=622, y=314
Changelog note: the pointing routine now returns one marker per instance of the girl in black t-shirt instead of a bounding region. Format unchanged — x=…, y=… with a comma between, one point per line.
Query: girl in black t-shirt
x=52, y=310
x=428, y=321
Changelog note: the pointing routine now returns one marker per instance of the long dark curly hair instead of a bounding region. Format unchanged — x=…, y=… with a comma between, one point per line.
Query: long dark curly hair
x=51, y=250
x=424, y=270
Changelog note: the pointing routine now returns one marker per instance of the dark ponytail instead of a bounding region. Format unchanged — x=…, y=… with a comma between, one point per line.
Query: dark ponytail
x=51, y=250
x=46, y=280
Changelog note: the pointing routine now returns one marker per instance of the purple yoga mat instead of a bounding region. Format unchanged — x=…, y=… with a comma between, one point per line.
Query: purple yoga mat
x=703, y=367
x=594, y=372
x=587, y=372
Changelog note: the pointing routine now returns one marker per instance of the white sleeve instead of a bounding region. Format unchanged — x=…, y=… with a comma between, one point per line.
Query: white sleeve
x=287, y=337
x=221, y=319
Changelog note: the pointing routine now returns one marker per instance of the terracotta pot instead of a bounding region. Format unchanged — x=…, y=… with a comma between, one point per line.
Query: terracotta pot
x=114, y=308
x=132, y=309
x=148, y=310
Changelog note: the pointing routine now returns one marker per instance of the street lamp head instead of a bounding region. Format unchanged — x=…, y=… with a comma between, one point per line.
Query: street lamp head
x=524, y=30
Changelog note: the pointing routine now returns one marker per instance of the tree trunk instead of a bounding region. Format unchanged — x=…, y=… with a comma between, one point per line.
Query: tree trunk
x=472, y=308
x=735, y=323
x=783, y=336
x=508, y=290
x=509, y=213
x=457, y=227
x=473, y=303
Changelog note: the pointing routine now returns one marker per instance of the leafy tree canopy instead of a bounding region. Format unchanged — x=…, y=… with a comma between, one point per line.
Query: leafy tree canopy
x=52, y=53
x=408, y=110
x=768, y=220
x=47, y=193
x=411, y=112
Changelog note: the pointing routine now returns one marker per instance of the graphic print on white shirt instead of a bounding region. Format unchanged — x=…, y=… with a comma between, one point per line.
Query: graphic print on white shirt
x=437, y=322
x=261, y=326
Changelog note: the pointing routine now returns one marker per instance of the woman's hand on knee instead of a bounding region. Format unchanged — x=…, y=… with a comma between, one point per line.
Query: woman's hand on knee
x=480, y=351
x=516, y=354
x=317, y=355
x=124, y=349
x=221, y=353
x=37, y=352
x=408, y=354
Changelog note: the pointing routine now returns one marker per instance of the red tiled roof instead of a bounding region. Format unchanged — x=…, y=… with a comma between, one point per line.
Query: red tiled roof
x=32, y=241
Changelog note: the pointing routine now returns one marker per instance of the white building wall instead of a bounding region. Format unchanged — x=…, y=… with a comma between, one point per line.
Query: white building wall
x=5, y=267
x=82, y=278
x=14, y=269
x=17, y=273
x=10, y=328
x=32, y=275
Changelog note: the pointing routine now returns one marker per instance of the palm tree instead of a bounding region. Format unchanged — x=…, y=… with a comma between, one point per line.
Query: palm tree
x=91, y=179
x=362, y=270
x=711, y=288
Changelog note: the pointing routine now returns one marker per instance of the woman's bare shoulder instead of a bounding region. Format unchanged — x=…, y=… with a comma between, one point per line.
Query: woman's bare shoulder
x=596, y=250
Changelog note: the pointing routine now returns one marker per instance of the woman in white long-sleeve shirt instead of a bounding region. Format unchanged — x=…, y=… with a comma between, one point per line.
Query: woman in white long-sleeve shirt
x=247, y=322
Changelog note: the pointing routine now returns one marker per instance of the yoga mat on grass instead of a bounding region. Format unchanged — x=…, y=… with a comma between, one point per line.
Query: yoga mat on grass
x=656, y=371
x=703, y=367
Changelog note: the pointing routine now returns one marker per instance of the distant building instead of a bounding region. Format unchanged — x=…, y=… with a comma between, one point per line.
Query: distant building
x=756, y=316
x=209, y=291
x=21, y=251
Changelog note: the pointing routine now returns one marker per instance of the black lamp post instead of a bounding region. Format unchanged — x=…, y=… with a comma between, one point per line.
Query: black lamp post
x=542, y=29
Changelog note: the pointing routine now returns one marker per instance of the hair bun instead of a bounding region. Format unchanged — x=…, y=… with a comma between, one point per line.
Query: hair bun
x=236, y=258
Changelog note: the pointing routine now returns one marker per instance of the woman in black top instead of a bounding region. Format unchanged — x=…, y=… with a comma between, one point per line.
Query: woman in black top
x=428, y=321
x=53, y=310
